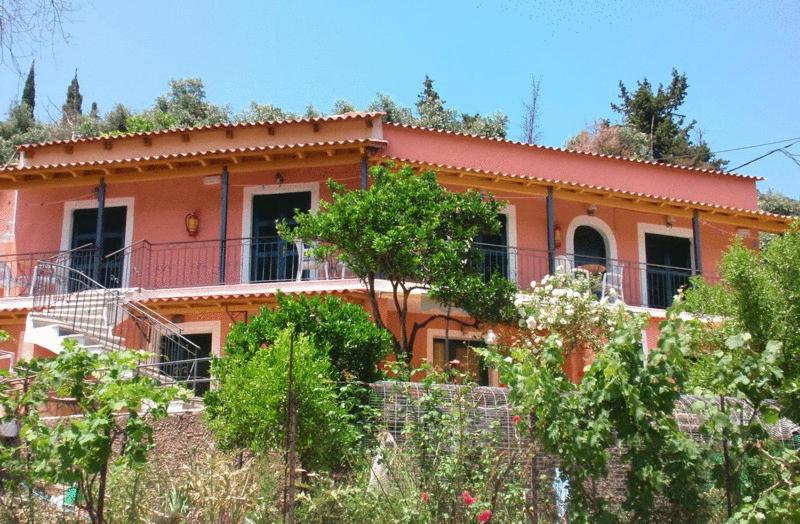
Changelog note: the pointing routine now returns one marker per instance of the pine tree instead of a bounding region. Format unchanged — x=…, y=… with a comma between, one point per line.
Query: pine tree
x=29, y=91
x=72, y=108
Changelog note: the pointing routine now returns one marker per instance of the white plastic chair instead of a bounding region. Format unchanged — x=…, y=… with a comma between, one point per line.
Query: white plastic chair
x=612, y=284
x=307, y=262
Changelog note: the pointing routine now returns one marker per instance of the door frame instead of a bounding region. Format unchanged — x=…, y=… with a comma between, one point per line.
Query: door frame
x=66, y=225
x=464, y=336
x=247, y=214
x=643, y=228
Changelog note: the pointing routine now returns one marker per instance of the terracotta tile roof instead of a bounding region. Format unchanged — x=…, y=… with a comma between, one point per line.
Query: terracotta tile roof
x=574, y=151
x=194, y=154
x=578, y=185
x=332, y=118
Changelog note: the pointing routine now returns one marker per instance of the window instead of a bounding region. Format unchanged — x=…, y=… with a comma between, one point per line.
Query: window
x=590, y=247
x=445, y=351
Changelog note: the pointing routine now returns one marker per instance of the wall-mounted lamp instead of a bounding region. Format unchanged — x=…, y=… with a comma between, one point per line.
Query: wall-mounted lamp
x=670, y=221
x=279, y=178
x=557, y=235
x=742, y=232
x=591, y=210
x=192, y=222
x=211, y=180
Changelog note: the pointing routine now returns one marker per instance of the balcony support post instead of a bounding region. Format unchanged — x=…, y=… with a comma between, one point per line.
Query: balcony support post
x=551, y=233
x=364, y=172
x=698, y=260
x=98, y=233
x=223, y=225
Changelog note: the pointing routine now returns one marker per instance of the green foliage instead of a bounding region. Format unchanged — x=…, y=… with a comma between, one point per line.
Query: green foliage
x=264, y=113
x=655, y=113
x=340, y=330
x=749, y=351
x=776, y=202
x=624, y=402
x=248, y=409
x=116, y=408
x=409, y=230
x=29, y=91
x=73, y=106
x=616, y=140
x=187, y=105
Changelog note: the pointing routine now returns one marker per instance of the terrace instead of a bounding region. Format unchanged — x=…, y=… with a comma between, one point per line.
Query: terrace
x=210, y=263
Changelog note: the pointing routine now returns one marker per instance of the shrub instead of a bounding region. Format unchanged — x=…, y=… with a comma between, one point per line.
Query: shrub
x=248, y=408
x=338, y=329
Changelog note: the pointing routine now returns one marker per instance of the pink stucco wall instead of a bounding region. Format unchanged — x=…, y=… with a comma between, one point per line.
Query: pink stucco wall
x=493, y=155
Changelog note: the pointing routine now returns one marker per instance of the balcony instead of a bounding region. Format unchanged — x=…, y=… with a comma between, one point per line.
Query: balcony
x=192, y=264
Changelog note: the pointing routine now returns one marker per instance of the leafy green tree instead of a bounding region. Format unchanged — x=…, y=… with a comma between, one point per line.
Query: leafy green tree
x=248, y=408
x=264, y=113
x=341, y=331
x=116, y=406
x=655, y=113
x=19, y=128
x=775, y=202
x=394, y=112
x=412, y=232
x=753, y=354
x=29, y=91
x=624, y=401
x=187, y=105
x=607, y=139
x=116, y=120
x=342, y=106
x=73, y=106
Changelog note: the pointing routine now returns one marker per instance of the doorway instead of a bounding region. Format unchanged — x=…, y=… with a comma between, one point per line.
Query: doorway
x=272, y=258
x=172, y=350
x=495, y=250
x=84, y=230
x=669, y=266
x=590, y=247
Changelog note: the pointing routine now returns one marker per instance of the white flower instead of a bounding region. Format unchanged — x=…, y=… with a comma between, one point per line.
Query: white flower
x=509, y=360
x=531, y=322
x=490, y=338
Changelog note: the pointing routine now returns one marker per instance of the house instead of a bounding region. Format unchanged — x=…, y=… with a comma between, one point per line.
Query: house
x=178, y=227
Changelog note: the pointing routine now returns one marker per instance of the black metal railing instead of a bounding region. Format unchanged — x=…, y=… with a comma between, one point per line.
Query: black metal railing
x=645, y=285
x=102, y=319
x=194, y=264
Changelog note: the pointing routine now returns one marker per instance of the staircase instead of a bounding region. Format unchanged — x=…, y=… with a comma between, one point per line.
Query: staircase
x=69, y=305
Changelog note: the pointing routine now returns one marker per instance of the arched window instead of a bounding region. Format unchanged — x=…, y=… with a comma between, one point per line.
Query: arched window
x=590, y=247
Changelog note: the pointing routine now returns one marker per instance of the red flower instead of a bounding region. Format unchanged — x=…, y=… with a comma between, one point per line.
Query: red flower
x=425, y=497
x=516, y=419
x=467, y=498
x=484, y=516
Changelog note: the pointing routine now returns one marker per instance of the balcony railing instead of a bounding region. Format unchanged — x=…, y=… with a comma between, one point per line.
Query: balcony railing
x=198, y=264
x=253, y=260
x=639, y=284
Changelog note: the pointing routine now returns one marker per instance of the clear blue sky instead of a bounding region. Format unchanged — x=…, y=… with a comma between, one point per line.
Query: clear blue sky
x=741, y=59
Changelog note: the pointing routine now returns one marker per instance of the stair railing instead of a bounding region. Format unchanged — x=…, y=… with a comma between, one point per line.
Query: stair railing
x=104, y=318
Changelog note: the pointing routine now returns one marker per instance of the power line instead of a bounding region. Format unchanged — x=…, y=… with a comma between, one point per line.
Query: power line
x=780, y=149
x=755, y=145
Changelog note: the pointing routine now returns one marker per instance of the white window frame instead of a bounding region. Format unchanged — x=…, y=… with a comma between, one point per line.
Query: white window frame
x=247, y=213
x=67, y=223
x=642, y=229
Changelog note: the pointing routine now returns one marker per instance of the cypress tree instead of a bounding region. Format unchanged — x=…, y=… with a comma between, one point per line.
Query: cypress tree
x=73, y=105
x=29, y=91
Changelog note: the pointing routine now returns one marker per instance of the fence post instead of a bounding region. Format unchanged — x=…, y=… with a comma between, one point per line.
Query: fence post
x=291, y=437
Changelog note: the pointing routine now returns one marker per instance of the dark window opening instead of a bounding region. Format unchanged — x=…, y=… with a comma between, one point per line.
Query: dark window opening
x=183, y=369
x=590, y=247
x=445, y=351
x=84, y=231
x=494, y=249
x=669, y=266
x=272, y=258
